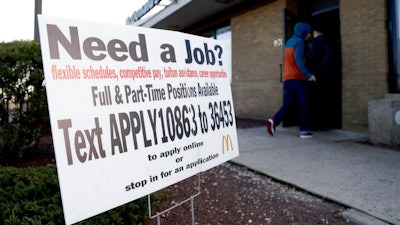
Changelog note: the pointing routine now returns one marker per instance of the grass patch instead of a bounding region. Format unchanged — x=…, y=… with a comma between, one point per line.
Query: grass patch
x=32, y=196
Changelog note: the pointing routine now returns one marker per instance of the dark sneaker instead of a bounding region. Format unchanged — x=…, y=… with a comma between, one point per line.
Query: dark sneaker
x=270, y=127
x=306, y=134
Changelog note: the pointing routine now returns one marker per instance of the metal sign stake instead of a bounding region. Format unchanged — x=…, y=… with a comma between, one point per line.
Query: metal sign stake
x=191, y=198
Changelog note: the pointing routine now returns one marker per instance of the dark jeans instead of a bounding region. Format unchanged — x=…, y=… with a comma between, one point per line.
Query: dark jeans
x=295, y=91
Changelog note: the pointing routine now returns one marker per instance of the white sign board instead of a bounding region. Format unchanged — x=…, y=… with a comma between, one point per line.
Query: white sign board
x=132, y=110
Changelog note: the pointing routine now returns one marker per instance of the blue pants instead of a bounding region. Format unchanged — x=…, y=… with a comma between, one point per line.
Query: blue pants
x=295, y=91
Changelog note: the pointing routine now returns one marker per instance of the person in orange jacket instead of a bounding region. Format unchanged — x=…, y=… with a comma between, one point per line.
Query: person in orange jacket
x=295, y=81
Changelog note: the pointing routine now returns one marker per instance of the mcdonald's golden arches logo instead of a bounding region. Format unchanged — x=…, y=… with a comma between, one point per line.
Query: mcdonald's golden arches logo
x=226, y=142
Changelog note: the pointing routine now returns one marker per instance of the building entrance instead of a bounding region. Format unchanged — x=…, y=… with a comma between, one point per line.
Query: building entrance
x=324, y=60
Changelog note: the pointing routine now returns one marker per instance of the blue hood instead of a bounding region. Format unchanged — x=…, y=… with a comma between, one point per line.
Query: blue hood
x=302, y=29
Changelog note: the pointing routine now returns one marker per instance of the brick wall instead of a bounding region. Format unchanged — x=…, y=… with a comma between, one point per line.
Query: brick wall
x=256, y=86
x=364, y=59
x=256, y=56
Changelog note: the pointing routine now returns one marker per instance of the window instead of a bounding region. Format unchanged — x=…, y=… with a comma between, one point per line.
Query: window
x=224, y=33
x=394, y=46
x=221, y=31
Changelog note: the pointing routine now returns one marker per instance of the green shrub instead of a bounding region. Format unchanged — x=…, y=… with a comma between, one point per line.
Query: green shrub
x=32, y=196
x=24, y=116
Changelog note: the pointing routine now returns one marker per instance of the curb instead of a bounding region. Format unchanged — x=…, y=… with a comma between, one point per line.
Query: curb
x=360, y=218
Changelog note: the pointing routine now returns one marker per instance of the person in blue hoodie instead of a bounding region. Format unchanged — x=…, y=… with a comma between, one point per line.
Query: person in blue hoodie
x=295, y=81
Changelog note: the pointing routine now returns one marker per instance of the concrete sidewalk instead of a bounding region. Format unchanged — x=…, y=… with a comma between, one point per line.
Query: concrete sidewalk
x=335, y=164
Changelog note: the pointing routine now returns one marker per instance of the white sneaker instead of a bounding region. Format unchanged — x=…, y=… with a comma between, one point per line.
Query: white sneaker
x=307, y=134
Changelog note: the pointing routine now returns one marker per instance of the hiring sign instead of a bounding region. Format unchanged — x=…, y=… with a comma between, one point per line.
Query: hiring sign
x=133, y=110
